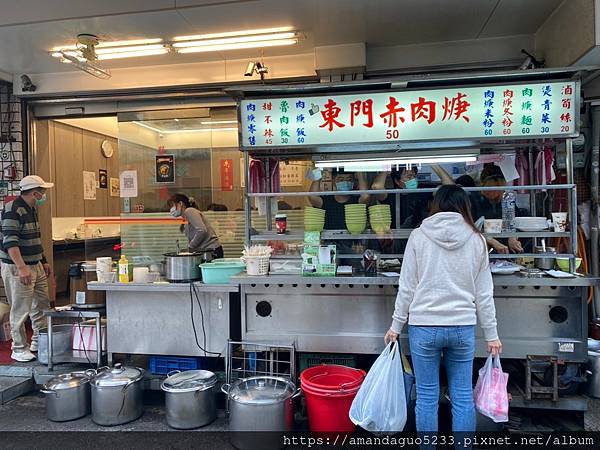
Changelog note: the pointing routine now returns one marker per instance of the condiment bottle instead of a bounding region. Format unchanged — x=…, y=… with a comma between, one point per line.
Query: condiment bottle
x=123, y=270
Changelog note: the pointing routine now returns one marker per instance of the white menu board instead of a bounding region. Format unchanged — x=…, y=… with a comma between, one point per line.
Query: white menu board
x=497, y=112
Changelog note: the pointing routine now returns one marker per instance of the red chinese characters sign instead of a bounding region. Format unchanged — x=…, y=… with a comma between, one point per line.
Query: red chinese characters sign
x=508, y=111
x=226, y=170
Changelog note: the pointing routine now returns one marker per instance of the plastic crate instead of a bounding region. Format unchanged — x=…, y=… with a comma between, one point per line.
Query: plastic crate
x=307, y=360
x=162, y=365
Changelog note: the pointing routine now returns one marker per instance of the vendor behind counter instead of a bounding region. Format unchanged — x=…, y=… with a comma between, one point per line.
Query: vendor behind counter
x=335, y=215
x=488, y=204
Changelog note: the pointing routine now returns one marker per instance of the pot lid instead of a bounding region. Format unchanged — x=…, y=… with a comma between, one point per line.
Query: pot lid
x=261, y=390
x=67, y=381
x=189, y=381
x=118, y=376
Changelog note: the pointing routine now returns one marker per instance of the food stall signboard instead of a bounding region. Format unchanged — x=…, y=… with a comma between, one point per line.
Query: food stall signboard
x=497, y=112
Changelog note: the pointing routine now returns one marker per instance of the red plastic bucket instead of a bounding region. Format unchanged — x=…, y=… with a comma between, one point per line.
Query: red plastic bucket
x=328, y=405
x=332, y=377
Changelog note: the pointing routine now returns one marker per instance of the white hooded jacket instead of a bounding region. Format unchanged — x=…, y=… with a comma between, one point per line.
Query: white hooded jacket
x=445, y=278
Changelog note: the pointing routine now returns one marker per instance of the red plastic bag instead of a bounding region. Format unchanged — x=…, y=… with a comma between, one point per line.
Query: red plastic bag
x=491, y=394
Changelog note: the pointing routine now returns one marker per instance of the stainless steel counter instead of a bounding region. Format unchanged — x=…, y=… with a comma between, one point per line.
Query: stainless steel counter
x=536, y=316
x=156, y=318
x=161, y=287
x=499, y=280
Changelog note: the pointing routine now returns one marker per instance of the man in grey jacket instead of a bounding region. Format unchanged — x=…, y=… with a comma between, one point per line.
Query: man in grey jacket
x=25, y=270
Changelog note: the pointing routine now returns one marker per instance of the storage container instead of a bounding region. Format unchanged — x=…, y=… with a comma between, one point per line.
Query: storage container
x=162, y=365
x=220, y=272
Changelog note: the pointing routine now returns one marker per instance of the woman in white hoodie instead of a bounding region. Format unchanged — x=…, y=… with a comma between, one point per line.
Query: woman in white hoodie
x=445, y=286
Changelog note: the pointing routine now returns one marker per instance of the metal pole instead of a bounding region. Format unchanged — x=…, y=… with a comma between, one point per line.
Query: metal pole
x=247, y=199
x=532, y=196
x=572, y=201
x=594, y=180
x=50, y=355
x=269, y=217
x=99, y=340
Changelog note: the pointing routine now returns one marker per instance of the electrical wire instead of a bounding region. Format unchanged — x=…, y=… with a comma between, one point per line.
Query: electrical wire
x=194, y=295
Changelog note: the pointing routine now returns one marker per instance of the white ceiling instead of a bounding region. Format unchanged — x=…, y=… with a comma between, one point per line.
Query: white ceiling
x=29, y=28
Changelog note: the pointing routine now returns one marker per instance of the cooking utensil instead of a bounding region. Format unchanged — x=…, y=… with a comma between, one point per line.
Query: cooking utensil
x=190, y=398
x=184, y=267
x=68, y=396
x=117, y=395
x=563, y=264
x=262, y=403
x=544, y=263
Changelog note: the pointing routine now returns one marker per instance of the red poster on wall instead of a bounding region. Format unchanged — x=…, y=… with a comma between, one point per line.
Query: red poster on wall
x=226, y=166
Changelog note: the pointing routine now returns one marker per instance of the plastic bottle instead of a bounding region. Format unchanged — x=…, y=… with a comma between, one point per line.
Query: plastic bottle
x=509, y=200
x=123, y=270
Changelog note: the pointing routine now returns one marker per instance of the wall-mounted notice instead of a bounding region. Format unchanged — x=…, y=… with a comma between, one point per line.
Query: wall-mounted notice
x=129, y=183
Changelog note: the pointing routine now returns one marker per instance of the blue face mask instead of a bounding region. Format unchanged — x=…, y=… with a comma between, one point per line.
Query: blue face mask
x=411, y=184
x=175, y=212
x=344, y=185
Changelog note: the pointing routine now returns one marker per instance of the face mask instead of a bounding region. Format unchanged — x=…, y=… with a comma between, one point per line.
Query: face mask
x=174, y=212
x=411, y=184
x=42, y=200
x=344, y=185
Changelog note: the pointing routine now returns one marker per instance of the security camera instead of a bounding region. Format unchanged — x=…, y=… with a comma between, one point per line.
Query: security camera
x=261, y=69
x=250, y=68
x=27, y=85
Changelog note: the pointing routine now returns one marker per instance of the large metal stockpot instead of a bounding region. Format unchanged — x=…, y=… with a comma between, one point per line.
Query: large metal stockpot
x=68, y=396
x=117, y=395
x=190, y=398
x=256, y=404
x=183, y=267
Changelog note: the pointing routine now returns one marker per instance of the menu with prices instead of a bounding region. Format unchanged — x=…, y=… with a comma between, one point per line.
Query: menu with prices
x=495, y=112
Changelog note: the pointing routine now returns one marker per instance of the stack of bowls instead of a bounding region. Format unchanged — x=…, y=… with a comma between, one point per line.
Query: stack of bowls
x=356, y=218
x=380, y=217
x=314, y=219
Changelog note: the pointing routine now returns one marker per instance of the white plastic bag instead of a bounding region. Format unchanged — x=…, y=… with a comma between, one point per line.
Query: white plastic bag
x=380, y=404
x=491, y=394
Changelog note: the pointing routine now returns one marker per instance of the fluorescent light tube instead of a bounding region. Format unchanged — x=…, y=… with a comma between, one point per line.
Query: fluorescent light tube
x=215, y=48
x=357, y=164
x=132, y=48
x=233, y=33
x=158, y=51
x=235, y=40
x=191, y=130
x=111, y=44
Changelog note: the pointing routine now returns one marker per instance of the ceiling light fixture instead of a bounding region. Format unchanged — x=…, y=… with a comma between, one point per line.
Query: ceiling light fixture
x=133, y=54
x=233, y=33
x=365, y=163
x=218, y=122
x=131, y=48
x=190, y=130
x=235, y=40
x=239, y=46
x=112, y=44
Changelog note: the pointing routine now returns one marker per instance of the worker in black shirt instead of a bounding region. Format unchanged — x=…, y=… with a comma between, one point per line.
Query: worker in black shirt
x=488, y=204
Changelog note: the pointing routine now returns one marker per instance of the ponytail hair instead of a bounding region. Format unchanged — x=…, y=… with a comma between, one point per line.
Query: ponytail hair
x=188, y=202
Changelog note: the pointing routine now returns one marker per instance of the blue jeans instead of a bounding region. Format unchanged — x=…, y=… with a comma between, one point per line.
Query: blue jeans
x=457, y=345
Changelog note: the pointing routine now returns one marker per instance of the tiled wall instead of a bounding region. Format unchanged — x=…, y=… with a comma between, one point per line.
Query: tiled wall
x=11, y=150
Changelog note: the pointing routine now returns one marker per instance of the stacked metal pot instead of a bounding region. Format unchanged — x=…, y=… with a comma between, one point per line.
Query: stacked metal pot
x=113, y=395
x=262, y=403
x=190, y=400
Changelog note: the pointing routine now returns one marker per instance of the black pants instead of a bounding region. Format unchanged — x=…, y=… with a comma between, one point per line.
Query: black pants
x=218, y=252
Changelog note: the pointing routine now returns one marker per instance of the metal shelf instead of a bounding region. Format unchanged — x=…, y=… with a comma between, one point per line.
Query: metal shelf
x=393, y=234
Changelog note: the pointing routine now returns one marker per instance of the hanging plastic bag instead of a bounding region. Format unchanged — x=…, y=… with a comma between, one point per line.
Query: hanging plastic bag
x=491, y=394
x=380, y=404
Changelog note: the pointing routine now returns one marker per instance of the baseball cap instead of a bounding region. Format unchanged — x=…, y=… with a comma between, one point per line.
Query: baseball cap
x=33, y=181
